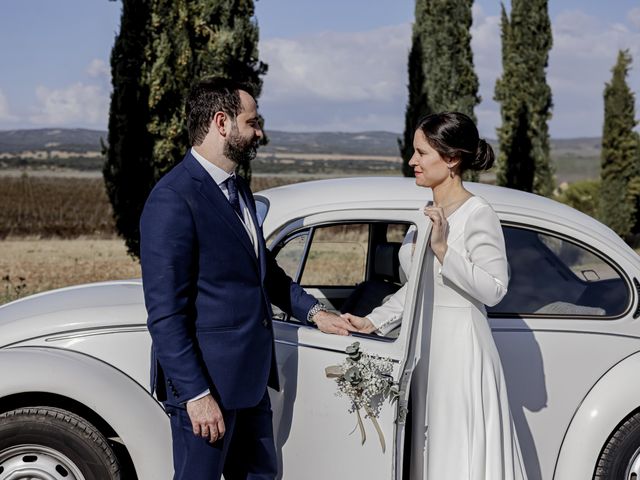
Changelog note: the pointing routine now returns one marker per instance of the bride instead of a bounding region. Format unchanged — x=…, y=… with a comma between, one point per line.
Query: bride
x=470, y=432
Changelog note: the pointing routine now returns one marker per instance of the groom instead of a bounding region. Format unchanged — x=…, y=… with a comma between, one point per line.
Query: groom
x=209, y=282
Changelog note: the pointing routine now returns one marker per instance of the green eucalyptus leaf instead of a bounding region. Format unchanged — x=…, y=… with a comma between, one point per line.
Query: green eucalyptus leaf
x=353, y=376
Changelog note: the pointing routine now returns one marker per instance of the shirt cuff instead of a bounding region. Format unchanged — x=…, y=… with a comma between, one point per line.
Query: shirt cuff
x=198, y=397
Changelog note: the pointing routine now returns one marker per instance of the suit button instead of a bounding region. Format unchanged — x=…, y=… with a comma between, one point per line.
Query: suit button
x=265, y=323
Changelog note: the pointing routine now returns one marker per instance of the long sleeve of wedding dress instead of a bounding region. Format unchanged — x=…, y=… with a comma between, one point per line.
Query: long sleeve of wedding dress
x=481, y=270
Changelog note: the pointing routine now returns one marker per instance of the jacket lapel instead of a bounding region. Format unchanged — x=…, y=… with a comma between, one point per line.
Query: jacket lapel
x=219, y=204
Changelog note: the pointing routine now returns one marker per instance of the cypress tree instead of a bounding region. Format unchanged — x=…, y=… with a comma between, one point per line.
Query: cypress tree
x=192, y=40
x=620, y=161
x=417, y=104
x=128, y=170
x=180, y=42
x=525, y=97
x=441, y=73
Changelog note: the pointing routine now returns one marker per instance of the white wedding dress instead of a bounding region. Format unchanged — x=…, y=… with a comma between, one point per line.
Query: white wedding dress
x=469, y=431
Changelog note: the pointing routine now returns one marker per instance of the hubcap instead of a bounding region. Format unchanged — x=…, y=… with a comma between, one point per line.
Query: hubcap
x=633, y=470
x=36, y=462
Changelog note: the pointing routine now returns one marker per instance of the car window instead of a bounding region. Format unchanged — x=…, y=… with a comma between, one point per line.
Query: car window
x=350, y=267
x=550, y=275
x=337, y=256
x=290, y=254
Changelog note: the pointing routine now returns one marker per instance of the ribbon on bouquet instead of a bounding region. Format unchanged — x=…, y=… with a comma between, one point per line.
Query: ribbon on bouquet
x=337, y=372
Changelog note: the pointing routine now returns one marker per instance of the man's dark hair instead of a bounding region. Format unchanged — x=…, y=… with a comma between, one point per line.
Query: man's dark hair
x=208, y=97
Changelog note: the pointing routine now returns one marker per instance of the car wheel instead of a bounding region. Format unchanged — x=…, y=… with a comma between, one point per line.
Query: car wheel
x=620, y=458
x=53, y=444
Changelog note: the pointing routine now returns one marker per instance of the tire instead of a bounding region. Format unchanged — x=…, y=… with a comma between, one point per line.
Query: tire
x=620, y=458
x=46, y=442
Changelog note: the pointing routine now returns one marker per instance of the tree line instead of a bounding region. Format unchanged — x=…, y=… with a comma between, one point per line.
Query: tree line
x=164, y=46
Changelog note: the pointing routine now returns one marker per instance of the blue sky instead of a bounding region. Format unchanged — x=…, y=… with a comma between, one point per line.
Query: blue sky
x=333, y=65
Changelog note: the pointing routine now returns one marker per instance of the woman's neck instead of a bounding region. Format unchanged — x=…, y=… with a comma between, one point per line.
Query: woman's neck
x=449, y=191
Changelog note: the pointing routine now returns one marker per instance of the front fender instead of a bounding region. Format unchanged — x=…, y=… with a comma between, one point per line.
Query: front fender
x=612, y=398
x=129, y=409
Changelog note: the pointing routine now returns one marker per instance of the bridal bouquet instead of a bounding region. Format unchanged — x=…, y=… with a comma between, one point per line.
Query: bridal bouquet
x=367, y=382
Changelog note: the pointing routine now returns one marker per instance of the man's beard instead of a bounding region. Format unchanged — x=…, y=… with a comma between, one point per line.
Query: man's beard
x=238, y=149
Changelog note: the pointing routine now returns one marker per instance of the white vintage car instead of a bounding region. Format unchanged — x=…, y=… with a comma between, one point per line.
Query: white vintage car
x=74, y=394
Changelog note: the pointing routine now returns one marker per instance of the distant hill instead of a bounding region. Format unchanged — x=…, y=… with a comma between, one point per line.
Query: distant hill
x=321, y=152
x=361, y=143
x=82, y=140
x=47, y=139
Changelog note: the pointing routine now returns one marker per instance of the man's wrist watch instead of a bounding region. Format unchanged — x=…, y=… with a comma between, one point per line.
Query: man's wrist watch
x=318, y=307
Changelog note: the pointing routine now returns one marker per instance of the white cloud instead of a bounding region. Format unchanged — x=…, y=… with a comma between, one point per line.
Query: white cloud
x=78, y=104
x=634, y=17
x=486, y=46
x=5, y=112
x=358, y=81
x=338, y=66
x=584, y=51
x=337, y=81
x=98, y=68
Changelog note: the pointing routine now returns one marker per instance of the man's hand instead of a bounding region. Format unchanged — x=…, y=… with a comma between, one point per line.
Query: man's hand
x=331, y=323
x=361, y=324
x=206, y=418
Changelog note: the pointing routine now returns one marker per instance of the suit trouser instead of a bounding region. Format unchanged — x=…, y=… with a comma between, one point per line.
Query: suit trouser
x=247, y=450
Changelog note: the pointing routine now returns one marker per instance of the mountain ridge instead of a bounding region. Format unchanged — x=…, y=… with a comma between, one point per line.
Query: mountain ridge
x=349, y=143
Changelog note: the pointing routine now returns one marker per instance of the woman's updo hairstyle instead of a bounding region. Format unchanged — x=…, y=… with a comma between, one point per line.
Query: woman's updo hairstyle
x=454, y=135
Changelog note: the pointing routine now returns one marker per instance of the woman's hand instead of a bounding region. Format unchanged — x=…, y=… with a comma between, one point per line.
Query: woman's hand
x=361, y=324
x=438, y=231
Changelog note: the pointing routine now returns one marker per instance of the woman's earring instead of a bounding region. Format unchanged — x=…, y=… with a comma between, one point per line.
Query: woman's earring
x=450, y=171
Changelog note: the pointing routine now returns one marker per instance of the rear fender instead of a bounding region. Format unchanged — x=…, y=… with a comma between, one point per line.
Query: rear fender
x=609, y=402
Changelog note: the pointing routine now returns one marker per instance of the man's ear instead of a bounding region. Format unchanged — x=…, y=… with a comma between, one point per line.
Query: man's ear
x=219, y=122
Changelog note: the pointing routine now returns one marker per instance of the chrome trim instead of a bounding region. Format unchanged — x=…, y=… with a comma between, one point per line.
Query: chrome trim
x=94, y=332
x=324, y=349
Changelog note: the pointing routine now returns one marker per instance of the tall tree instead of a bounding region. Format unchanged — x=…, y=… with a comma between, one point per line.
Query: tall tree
x=524, y=160
x=177, y=43
x=417, y=104
x=128, y=171
x=620, y=161
x=441, y=73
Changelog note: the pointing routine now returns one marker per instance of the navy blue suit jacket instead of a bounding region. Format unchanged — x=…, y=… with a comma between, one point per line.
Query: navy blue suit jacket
x=208, y=296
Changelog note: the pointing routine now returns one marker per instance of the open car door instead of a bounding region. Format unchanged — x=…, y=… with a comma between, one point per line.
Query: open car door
x=317, y=433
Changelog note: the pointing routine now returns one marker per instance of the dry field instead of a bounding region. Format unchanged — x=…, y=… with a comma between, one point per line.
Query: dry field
x=68, y=207
x=29, y=265
x=54, y=207
x=57, y=231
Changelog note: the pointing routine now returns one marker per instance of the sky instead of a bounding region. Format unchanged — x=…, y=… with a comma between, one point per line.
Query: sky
x=334, y=65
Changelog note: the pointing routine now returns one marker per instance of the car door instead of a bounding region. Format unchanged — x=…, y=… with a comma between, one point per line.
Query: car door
x=317, y=437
